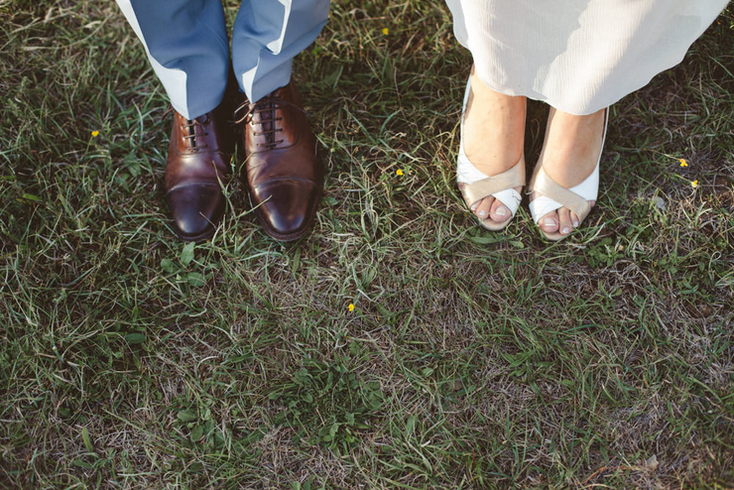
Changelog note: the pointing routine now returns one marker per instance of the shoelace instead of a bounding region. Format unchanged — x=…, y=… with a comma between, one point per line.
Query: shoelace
x=192, y=134
x=266, y=108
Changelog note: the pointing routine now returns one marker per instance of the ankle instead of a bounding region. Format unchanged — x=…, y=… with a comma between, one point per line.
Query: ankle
x=572, y=146
x=493, y=128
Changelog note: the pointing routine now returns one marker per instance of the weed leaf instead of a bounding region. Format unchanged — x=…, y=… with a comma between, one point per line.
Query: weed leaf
x=187, y=254
x=87, y=440
x=186, y=416
x=135, y=338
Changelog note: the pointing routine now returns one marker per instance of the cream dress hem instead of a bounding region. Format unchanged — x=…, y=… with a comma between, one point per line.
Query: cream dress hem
x=579, y=56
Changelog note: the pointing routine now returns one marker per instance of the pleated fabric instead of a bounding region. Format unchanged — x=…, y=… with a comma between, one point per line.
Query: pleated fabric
x=579, y=56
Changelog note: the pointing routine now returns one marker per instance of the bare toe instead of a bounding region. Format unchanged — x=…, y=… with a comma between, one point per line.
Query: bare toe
x=499, y=212
x=549, y=222
x=482, y=210
x=575, y=221
x=566, y=225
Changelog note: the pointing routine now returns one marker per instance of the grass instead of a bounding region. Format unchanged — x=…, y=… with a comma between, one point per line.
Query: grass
x=471, y=360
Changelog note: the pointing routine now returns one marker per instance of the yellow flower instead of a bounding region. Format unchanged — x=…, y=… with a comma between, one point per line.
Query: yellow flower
x=398, y=172
x=351, y=306
x=95, y=134
x=683, y=162
x=695, y=183
x=386, y=31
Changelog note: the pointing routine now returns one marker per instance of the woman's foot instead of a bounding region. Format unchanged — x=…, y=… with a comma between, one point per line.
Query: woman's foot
x=492, y=139
x=570, y=155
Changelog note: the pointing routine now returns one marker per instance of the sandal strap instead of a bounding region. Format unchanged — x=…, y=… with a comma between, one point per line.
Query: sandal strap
x=554, y=196
x=544, y=185
x=510, y=178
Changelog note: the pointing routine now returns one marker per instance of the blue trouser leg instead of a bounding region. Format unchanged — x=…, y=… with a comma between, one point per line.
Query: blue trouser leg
x=186, y=42
x=267, y=35
x=187, y=45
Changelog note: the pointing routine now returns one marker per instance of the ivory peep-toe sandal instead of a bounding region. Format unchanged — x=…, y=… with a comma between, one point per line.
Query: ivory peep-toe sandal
x=550, y=195
x=477, y=186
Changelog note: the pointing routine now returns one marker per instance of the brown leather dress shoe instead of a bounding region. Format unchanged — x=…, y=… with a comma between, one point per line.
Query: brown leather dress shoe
x=198, y=159
x=283, y=171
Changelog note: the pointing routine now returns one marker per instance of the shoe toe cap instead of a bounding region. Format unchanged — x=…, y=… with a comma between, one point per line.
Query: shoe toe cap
x=196, y=210
x=286, y=207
